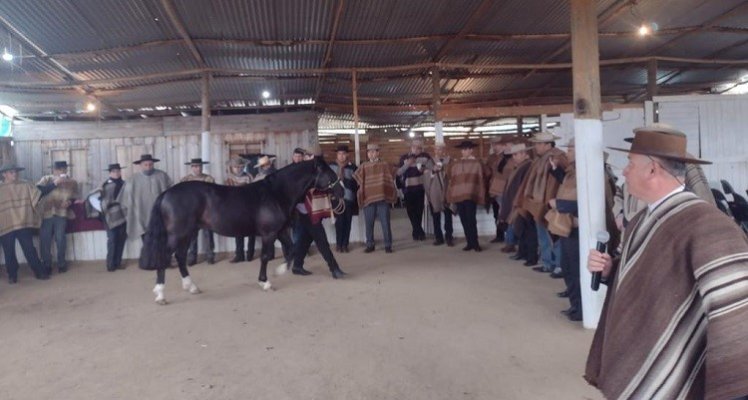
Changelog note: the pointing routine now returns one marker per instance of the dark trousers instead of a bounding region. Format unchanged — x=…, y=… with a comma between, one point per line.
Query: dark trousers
x=309, y=232
x=53, y=228
x=570, y=266
x=115, y=245
x=466, y=210
x=527, y=238
x=414, y=205
x=24, y=237
x=343, y=225
x=437, y=218
x=208, y=237
x=250, y=247
x=499, y=228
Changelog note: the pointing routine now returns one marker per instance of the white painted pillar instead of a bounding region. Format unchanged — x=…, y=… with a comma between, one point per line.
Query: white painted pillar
x=205, y=124
x=439, y=132
x=588, y=131
x=588, y=135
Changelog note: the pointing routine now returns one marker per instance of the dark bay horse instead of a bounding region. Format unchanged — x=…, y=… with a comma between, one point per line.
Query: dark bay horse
x=259, y=209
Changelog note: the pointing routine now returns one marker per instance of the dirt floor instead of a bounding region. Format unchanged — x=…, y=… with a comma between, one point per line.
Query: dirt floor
x=423, y=323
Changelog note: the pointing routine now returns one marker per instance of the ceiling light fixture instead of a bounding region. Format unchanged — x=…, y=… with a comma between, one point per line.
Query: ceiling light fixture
x=7, y=56
x=90, y=107
x=265, y=94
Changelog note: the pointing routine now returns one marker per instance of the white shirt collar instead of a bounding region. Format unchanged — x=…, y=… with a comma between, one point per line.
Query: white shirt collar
x=662, y=199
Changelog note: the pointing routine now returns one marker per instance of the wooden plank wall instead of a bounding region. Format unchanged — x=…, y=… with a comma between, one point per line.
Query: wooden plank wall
x=91, y=146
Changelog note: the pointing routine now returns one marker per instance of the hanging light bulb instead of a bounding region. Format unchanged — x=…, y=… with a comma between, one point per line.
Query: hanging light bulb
x=644, y=30
x=7, y=56
x=265, y=94
x=90, y=107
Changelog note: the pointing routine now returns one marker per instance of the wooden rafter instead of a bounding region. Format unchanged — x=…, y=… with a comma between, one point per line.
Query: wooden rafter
x=313, y=72
x=176, y=21
x=369, y=42
x=330, y=44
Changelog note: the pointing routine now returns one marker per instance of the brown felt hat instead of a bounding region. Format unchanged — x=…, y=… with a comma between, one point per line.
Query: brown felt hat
x=661, y=140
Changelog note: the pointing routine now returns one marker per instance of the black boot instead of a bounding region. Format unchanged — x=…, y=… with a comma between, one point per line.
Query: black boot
x=250, y=255
x=300, y=271
x=337, y=272
x=238, y=258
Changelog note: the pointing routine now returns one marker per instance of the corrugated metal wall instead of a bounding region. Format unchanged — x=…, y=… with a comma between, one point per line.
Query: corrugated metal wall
x=90, y=147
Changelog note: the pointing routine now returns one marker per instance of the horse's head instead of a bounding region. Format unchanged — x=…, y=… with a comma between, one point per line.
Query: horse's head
x=327, y=180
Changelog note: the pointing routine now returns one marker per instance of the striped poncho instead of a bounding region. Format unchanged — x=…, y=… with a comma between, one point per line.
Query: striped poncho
x=466, y=178
x=19, y=207
x=675, y=320
x=376, y=183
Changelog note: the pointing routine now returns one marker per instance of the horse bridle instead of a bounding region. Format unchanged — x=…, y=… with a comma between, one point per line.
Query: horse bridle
x=341, y=204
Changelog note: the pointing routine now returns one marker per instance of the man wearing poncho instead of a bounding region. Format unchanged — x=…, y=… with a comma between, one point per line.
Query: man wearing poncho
x=467, y=190
x=376, y=193
x=675, y=319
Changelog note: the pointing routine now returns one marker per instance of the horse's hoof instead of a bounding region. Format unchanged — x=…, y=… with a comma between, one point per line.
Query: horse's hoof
x=281, y=269
x=265, y=285
x=337, y=273
x=190, y=286
x=161, y=302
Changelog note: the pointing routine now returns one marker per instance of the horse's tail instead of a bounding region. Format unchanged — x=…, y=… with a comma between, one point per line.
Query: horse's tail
x=155, y=252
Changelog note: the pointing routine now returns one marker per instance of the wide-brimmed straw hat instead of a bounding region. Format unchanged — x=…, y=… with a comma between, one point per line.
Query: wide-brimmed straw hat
x=10, y=167
x=146, y=157
x=543, y=137
x=263, y=161
x=516, y=148
x=661, y=140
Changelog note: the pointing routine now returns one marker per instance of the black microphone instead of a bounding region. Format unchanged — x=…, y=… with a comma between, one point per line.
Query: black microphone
x=602, y=244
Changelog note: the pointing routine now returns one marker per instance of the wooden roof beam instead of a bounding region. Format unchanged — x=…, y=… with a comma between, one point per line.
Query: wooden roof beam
x=176, y=21
x=330, y=44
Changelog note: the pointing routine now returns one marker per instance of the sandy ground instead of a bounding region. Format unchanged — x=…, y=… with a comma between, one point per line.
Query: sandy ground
x=423, y=323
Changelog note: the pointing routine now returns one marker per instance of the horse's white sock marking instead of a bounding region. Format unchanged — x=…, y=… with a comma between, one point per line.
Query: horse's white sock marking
x=281, y=269
x=265, y=285
x=190, y=286
x=158, y=290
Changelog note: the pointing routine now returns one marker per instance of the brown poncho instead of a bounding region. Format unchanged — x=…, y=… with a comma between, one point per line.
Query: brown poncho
x=675, y=320
x=376, y=183
x=539, y=187
x=466, y=178
x=198, y=178
x=19, y=206
x=52, y=204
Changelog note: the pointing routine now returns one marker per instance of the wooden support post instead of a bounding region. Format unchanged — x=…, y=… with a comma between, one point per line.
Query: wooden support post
x=356, y=139
x=205, y=120
x=651, y=79
x=588, y=130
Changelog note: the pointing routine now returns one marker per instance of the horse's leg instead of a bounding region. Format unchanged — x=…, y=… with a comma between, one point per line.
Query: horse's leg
x=158, y=290
x=286, y=246
x=187, y=283
x=267, y=247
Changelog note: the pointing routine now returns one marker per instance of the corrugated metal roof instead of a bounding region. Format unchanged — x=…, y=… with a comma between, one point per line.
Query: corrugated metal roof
x=386, y=19
x=232, y=55
x=132, y=62
x=113, y=39
x=63, y=26
x=257, y=20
